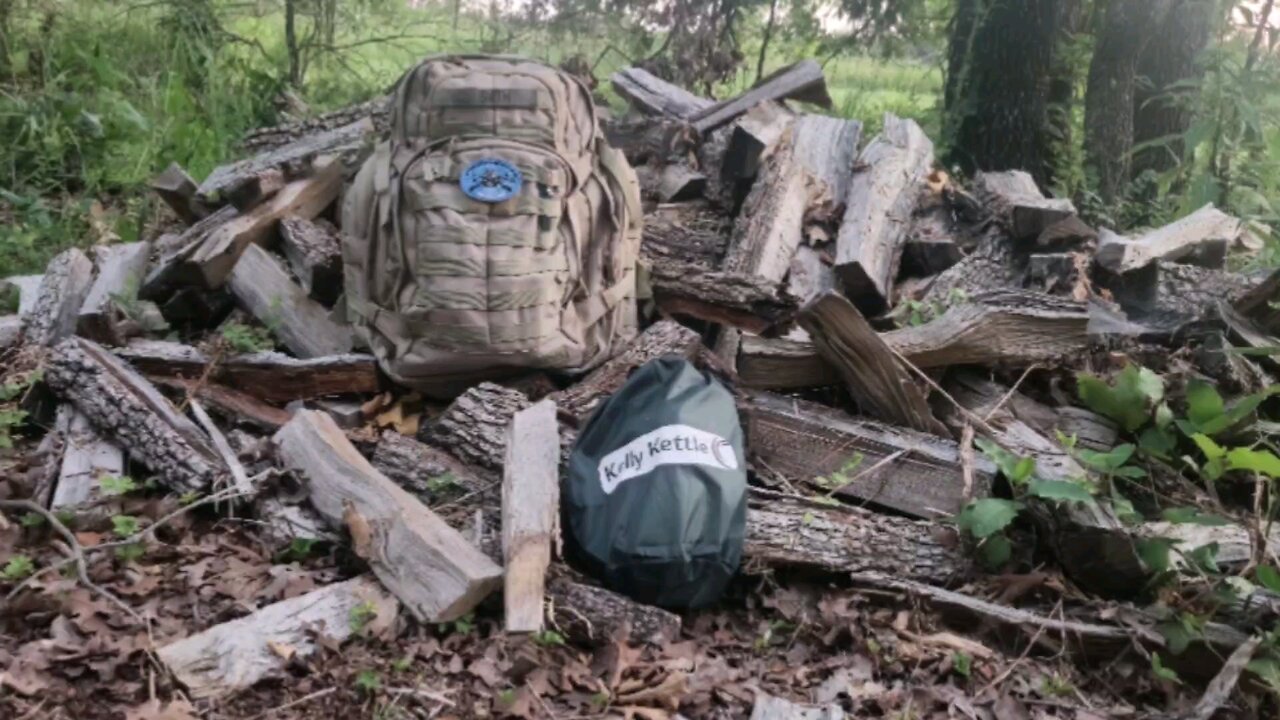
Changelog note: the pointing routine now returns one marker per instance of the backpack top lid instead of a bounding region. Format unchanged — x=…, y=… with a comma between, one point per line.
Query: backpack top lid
x=470, y=96
x=655, y=497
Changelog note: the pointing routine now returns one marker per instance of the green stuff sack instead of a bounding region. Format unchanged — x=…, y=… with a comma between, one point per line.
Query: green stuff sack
x=655, y=499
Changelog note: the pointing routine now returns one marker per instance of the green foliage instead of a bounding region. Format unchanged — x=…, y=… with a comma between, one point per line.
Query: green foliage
x=962, y=663
x=443, y=484
x=1161, y=672
x=1129, y=400
x=18, y=567
x=131, y=552
x=9, y=420
x=368, y=681
x=835, y=481
x=114, y=485
x=464, y=625
x=31, y=520
x=548, y=638
x=299, y=549
x=125, y=526
x=247, y=339
x=988, y=516
x=360, y=616
x=1268, y=577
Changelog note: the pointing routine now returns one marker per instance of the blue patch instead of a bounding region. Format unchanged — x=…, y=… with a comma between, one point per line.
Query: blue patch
x=490, y=180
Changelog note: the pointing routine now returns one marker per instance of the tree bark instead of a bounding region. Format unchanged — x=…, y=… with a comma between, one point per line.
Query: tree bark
x=1002, y=57
x=1108, y=115
x=1161, y=114
x=291, y=43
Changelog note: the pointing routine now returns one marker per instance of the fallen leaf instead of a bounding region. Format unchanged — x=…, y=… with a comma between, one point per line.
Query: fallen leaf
x=667, y=693
x=284, y=651
x=155, y=710
x=487, y=671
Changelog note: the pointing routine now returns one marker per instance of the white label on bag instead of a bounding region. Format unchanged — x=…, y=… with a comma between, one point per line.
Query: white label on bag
x=668, y=445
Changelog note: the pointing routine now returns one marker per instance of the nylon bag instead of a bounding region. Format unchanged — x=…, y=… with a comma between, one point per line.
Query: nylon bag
x=655, y=499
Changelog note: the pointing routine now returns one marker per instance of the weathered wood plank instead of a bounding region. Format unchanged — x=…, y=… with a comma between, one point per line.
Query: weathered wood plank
x=882, y=197
x=315, y=256
x=530, y=512
x=215, y=256
x=678, y=182
x=800, y=81
x=874, y=376
x=264, y=288
x=237, y=654
x=782, y=364
x=1207, y=232
x=652, y=95
x=62, y=290
x=233, y=403
x=1015, y=200
x=87, y=458
x=921, y=474
x=827, y=147
x=666, y=337
x=129, y=411
x=270, y=376
x=425, y=563
x=173, y=269
x=121, y=269
x=750, y=138
x=229, y=178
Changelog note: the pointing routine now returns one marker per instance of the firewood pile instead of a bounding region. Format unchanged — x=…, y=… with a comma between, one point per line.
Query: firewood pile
x=873, y=315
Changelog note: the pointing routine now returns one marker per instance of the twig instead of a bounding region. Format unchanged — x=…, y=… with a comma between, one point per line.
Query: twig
x=1219, y=690
x=967, y=460
x=1009, y=394
x=294, y=703
x=1026, y=651
x=74, y=549
x=147, y=533
x=239, y=478
x=420, y=693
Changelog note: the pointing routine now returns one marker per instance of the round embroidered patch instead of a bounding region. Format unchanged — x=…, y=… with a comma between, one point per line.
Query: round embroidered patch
x=490, y=180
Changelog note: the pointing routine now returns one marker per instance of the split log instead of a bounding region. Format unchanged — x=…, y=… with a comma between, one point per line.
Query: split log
x=743, y=301
x=802, y=81
x=882, y=198
x=129, y=411
x=178, y=190
x=1060, y=274
x=121, y=269
x=990, y=266
x=26, y=286
x=644, y=140
x=686, y=234
x=782, y=364
x=1013, y=198
x=474, y=426
x=750, y=137
x=827, y=147
x=595, y=616
x=315, y=256
x=1015, y=328
x=261, y=140
x=416, y=467
x=768, y=707
x=61, y=294
x=666, y=337
x=264, y=288
x=10, y=331
x=173, y=270
x=235, y=177
x=87, y=458
x=874, y=376
x=914, y=473
x=425, y=563
x=1067, y=234
x=271, y=376
x=1203, y=236
x=237, y=654
x=1166, y=296
x=931, y=245
x=254, y=190
x=232, y=403
x=771, y=224
x=1257, y=304
x=652, y=95
x=790, y=532
x=217, y=254
x=283, y=522
x=530, y=512
x=1091, y=544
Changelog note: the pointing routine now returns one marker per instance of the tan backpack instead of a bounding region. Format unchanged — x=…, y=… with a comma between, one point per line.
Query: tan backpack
x=494, y=231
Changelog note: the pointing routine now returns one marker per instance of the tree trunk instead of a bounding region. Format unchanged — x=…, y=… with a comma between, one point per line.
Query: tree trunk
x=1001, y=58
x=1162, y=115
x=1126, y=25
x=764, y=42
x=291, y=43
